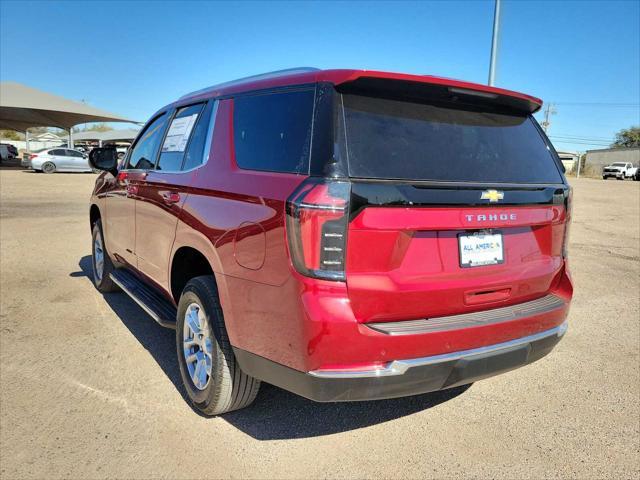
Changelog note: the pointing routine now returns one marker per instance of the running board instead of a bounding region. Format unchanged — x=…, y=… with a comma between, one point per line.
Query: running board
x=152, y=302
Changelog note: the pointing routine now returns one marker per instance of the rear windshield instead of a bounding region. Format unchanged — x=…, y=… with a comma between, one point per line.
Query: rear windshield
x=391, y=139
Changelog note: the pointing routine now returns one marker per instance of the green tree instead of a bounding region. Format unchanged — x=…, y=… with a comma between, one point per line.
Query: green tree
x=11, y=135
x=98, y=127
x=36, y=130
x=627, y=137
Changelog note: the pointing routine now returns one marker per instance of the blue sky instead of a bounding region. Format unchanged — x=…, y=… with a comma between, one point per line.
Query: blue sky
x=133, y=57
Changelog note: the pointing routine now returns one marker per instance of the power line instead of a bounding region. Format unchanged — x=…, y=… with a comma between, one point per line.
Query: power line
x=577, y=142
x=582, y=139
x=577, y=135
x=569, y=137
x=598, y=104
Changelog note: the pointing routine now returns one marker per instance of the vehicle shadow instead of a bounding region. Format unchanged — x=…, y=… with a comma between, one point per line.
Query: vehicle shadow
x=276, y=414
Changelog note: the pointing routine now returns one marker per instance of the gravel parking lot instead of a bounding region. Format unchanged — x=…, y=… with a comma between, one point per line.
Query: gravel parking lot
x=89, y=385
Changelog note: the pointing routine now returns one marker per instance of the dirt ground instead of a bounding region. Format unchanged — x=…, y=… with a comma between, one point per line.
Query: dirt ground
x=89, y=386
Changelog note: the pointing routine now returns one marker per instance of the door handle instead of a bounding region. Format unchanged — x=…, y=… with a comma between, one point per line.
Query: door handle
x=170, y=197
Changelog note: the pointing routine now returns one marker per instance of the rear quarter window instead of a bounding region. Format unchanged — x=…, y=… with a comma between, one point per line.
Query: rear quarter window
x=272, y=132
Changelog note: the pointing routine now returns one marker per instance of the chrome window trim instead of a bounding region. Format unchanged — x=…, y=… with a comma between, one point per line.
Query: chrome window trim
x=207, y=143
x=205, y=155
x=399, y=367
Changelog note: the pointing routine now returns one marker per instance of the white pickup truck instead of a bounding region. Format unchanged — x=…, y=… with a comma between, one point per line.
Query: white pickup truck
x=619, y=170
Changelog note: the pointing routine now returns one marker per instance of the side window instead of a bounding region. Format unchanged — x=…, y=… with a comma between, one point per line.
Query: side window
x=195, y=151
x=177, y=139
x=56, y=152
x=143, y=155
x=272, y=132
x=73, y=153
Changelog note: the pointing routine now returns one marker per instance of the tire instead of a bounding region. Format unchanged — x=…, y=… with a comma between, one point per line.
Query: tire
x=224, y=386
x=48, y=167
x=100, y=273
x=620, y=178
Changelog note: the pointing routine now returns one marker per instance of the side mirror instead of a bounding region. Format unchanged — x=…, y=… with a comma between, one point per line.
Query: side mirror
x=104, y=159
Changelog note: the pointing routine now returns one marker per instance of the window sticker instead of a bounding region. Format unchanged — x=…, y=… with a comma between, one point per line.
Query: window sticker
x=178, y=134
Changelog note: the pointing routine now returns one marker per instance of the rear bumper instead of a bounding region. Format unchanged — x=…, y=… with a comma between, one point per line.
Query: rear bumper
x=405, y=377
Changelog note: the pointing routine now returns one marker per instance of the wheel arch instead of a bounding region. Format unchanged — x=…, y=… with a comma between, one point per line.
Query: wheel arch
x=186, y=263
x=190, y=239
x=94, y=214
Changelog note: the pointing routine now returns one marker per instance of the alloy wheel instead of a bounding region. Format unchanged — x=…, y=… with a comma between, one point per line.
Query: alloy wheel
x=98, y=257
x=197, y=346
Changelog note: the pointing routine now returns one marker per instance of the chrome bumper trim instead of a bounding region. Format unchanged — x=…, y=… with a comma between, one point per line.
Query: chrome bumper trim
x=466, y=320
x=399, y=367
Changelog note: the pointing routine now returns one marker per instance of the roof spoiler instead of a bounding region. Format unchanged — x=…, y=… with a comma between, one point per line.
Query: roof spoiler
x=435, y=89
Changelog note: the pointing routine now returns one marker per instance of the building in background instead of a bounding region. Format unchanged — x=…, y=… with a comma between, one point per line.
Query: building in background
x=37, y=141
x=569, y=160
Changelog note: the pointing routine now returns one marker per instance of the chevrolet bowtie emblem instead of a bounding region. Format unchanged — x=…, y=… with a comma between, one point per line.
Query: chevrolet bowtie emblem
x=492, y=195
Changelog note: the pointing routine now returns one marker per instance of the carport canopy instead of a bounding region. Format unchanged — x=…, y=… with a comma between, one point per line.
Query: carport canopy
x=22, y=107
x=127, y=135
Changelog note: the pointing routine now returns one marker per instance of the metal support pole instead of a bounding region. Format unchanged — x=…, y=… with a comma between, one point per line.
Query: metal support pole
x=26, y=139
x=579, y=159
x=494, y=44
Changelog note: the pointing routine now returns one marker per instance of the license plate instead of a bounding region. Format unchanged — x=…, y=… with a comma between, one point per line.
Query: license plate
x=481, y=249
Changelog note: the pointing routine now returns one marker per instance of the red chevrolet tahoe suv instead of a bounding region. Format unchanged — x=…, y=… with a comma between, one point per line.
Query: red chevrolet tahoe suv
x=342, y=234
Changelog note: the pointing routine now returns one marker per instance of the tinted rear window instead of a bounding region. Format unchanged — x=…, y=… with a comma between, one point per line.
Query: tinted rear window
x=402, y=140
x=272, y=132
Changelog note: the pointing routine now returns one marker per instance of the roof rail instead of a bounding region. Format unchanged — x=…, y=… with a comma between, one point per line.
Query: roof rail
x=252, y=78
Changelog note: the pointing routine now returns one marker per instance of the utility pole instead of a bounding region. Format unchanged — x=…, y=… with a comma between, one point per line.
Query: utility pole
x=494, y=44
x=549, y=110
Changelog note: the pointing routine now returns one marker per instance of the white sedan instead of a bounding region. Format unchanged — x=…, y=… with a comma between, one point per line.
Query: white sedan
x=60, y=160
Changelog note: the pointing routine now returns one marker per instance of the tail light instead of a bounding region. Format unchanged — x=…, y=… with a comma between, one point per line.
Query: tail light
x=568, y=205
x=32, y=156
x=317, y=219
